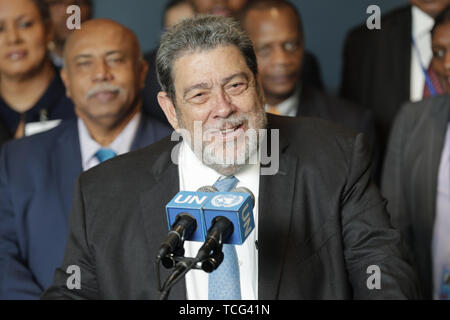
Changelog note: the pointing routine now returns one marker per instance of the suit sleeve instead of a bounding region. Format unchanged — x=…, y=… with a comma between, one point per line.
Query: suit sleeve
x=16, y=280
x=392, y=180
x=370, y=242
x=78, y=266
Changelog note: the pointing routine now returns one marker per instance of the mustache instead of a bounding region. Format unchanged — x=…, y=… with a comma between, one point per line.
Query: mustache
x=231, y=122
x=105, y=87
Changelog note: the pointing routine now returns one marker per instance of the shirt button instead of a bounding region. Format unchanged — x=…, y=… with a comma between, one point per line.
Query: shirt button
x=240, y=263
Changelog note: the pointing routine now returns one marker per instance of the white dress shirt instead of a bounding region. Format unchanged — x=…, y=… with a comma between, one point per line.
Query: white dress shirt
x=120, y=145
x=193, y=175
x=421, y=31
x=288, y=107
x=441, y=234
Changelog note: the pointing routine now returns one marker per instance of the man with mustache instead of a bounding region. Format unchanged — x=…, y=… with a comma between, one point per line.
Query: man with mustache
x=103, y=74
x=310, y=73
x=320, y=221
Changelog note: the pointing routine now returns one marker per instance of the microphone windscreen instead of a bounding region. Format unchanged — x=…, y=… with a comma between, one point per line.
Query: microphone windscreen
x=207, y=189
x=245, y=190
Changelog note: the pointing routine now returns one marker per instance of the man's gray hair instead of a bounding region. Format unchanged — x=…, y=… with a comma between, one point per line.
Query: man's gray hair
x=197, y=34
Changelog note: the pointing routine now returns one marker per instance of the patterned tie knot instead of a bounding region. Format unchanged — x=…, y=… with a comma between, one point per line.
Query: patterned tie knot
x=104, y=154
x=226, y=184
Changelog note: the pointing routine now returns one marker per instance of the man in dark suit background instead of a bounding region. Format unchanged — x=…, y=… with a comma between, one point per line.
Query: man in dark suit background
x=276, y=30
x=382, y=69
x=321, y=222
x=310, y=69
x=103, y=74
x=416, y=177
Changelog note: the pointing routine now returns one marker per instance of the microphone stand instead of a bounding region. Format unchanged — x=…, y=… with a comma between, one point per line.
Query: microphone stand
x=183, y=265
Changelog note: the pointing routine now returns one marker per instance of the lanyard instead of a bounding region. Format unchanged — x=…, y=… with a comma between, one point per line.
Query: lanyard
x=424, y=70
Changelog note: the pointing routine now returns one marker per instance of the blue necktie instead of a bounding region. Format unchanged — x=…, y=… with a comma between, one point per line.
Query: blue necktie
x=224, y=282
x=104, y=154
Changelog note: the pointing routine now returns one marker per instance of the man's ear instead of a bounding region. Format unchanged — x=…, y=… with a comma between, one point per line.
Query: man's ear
x=166, y=104
x=65, y=79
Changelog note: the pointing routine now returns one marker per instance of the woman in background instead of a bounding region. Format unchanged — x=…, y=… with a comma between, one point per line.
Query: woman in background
x=31, y=90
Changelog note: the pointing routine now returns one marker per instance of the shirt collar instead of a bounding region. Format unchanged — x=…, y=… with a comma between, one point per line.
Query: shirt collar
x=422, y=23
x=122, y=144
x=207, y=176
x=289, y=107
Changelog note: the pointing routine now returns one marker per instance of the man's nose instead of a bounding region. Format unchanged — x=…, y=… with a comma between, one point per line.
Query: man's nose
x=223, y=106
x=280, y=56
x=102, y=72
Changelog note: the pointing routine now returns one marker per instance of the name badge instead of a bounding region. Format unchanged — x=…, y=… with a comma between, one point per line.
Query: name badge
x=41, y=126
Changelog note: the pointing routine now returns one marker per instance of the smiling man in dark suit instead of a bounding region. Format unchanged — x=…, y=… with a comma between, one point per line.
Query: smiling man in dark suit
x=103, y=74
x=320, y=221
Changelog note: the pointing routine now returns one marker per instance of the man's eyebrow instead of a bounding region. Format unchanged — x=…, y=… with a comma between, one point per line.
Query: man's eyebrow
x=202, y=85
x=89, y=55
x=109, y=53
x=82, y=55
x=235, y=75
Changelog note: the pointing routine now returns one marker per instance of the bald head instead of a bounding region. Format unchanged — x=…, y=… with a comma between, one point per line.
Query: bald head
x=103, y=73
x=106, y=30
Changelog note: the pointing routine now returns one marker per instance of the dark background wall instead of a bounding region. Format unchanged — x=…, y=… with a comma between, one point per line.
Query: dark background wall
x=326, y=23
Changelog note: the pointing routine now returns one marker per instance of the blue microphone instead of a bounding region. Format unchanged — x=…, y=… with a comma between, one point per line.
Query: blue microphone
x=228, y=217
x=190, y=202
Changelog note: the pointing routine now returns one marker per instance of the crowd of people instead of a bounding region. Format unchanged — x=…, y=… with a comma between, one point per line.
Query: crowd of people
x=73, y=99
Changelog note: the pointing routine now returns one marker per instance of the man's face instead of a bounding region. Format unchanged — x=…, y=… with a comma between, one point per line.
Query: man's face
x=441, y=55
x=59, y=15
x=430, y=7
x=216, y=91
x=103, y=74
x=23, y=38
x=279, y=49
x=218, y=7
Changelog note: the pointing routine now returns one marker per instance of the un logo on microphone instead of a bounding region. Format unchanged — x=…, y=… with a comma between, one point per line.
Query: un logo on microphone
x=226, y=200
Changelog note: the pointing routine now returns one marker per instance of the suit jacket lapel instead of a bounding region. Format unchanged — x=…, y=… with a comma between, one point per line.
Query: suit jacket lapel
x=275, y=211
x=66, y=164
x=163, y=185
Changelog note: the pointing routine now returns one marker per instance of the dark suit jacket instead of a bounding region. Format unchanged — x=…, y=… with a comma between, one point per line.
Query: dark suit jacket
x=322, y=223
x=410, y=177
x=4, y=134
x=314, y=103
x=310, y=76
x=37, y=176
x=376, y=68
